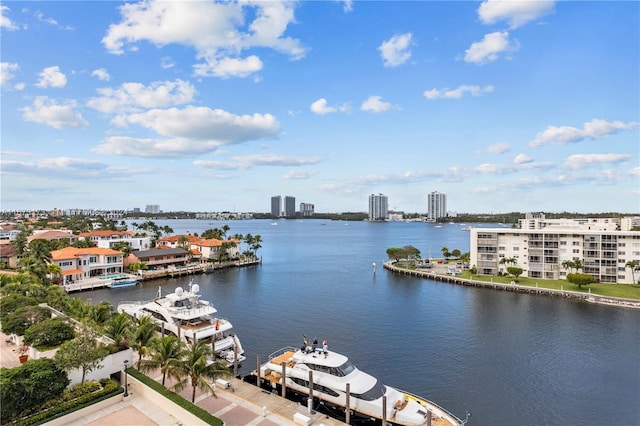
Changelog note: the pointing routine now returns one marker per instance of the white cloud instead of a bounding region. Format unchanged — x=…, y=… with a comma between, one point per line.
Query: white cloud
x=243, y=162
x=52, y=77
x=498, y=148
x=7, y=72
x=5, y=22
x=101, y=74
x=458, y=92
x=320, y=107
x=395, y=51
x=40, y=17
x=166, y=62
x=490, y=48
x=218, y=32
x=579, y=161
x=189, y=131
x=516, y=13
x=375, y=104
x=50, y=112
x=299, y=174
x=593, y=129
x=522, y=159
x=131, y=97
x=229, y=67
x=635, y=171
x=347, y=5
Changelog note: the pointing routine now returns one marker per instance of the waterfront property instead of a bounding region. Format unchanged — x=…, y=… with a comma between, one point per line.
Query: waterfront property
x=77, y=264
x=543, y=248
x=108, y=239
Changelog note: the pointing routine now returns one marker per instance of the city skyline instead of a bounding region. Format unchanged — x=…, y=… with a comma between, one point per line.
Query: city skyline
x=204, y=106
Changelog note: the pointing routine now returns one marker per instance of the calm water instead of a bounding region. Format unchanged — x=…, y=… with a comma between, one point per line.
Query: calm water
x=509, y=359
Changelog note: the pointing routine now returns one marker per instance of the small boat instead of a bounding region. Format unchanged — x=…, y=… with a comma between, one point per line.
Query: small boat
x=274, y=223
x=368, y=399
x=120, y=280
x=191, y=319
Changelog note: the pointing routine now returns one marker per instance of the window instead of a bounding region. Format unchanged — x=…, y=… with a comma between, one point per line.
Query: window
x=93, y=259
x=377, y=391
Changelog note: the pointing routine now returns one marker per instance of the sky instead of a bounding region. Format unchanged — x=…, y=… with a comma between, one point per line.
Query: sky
x=218, y=106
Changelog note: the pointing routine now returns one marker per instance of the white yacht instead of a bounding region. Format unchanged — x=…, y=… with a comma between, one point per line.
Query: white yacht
x=185, y=315
x=331, y=372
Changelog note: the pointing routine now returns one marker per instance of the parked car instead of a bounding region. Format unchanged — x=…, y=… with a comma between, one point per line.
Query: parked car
x=424, y=265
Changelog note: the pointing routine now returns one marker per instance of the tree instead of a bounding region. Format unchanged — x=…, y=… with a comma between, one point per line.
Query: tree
x=634, y=265
x=508, y=261
x=49, y=333
x=83, y=352
x=581, y=279
x=19, y=244
x=395, y=253
x=29, y=385
x=124, y=247
x=32, y=266
x=411, y=253
x=183, y=242
x=164, y=353
x=515, y=272
x=120, y=329
x=142, y=335
x=193, y=368
x=54, y=272
x=445, y=252
x=568, y=265
x=255, y=244
x=18, y=321
x=465, y=257
x=455, y=253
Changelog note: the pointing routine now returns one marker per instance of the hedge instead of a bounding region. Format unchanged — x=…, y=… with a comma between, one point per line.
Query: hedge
x=64, y=405
x=201, y=413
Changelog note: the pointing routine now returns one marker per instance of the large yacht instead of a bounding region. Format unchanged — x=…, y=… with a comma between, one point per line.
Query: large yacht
x=331, y=372
x=185, y=315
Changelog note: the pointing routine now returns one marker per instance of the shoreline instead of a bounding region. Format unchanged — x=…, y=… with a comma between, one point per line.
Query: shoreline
x=587, y=297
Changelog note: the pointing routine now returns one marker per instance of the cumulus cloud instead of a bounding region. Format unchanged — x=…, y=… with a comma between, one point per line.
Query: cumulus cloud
x=515, y=13
x=52, y=77
x=136, y=96
x=101, y=74
x=498, y=148
x=458, y=92
x=593, y=129
x=229, y=67
x=375, y=104
x=218, y=32
x=7, y=72
x=5, y=22
x=490, y=48
x=522, y=159
x=50, y=112
x=579, y=161
x=189, y=131
x=395, y=51
x=321, y=107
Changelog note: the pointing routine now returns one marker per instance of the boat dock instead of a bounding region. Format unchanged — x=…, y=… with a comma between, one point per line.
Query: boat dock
x=97, y=282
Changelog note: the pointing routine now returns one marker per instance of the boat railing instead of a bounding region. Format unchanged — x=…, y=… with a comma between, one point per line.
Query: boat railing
x=135, y=302
x=435, y=408
x=282, y=351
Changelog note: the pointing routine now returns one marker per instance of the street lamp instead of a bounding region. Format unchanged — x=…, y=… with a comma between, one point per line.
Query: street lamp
x=126, y=388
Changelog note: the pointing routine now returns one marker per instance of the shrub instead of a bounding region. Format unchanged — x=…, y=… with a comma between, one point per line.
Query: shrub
x=49, y=333
x=21, y=319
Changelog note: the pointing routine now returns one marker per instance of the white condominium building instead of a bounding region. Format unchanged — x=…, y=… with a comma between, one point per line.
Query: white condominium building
x=541, y=246
x=378, y=207
x=436, y=205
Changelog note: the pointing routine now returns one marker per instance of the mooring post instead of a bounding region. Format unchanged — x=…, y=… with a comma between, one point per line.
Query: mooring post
x=310, y=400
x=384, y=410
x=284, y=385
x=258, y=369
x=347, y=415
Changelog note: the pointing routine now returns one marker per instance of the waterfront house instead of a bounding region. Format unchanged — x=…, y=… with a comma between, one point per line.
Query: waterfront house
x=78, y=264
x=159, y=258
x=204, y=248
x=52, y=235
x=107, y=239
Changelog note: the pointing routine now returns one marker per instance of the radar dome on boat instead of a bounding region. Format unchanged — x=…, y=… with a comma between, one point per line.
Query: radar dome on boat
x=195, y=288
x=179, y=291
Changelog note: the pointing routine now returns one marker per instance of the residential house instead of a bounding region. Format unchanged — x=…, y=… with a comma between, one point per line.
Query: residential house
x=107, y=239
x=159, y=258
x=9, y=256
x=203, y=248
x=83, y=263
x=52, y=235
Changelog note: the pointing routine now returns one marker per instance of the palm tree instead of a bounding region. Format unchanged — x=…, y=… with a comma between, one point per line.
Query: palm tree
x=634, y=265
x=193, y=368
x=577, y=263
x=120, y=329
x=255, y=245
x=165, y=352
x=31, y=265
x=509, y=260
x=142, y=335
x=568, y=264
x=100, y=313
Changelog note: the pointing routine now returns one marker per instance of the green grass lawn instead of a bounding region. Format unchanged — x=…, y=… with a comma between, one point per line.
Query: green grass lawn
x=627, y=291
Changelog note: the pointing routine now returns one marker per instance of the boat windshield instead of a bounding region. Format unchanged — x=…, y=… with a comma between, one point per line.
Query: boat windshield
x=377, y=391
x=344, y=370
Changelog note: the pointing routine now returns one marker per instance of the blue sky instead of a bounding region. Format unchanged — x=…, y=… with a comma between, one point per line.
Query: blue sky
x=204, y=106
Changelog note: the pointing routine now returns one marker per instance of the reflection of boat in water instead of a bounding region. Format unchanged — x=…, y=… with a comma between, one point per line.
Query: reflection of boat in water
x=183, y=314
x=274, y=223
x=333, y=375
x=120, y=280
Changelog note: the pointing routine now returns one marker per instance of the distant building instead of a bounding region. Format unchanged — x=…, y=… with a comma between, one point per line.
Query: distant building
x=276, y=206
x=307, y=209
x=289, y=206
x=436, y=205
x=378, y=207
x=152, y=208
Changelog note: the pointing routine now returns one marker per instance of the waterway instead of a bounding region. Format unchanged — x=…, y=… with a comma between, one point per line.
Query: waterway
x=508, y=358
